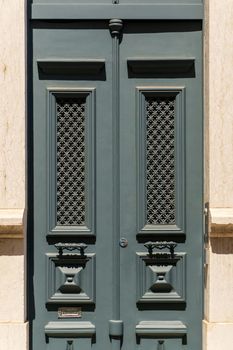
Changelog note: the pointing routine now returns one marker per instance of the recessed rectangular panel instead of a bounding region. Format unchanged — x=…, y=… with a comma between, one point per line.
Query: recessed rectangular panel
x=60, y=69
x=70, y=279
x=161, y=160
x=153, y=67
x=161, y=279
x=71, y=162
x=71, y=155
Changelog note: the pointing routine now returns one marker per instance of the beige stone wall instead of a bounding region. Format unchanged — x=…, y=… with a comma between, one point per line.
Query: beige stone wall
x=12, y=104
x=221, y=103
x=218, y=324
x=13, y=329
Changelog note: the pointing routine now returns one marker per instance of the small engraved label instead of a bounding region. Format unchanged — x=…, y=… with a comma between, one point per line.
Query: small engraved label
x=69, y=312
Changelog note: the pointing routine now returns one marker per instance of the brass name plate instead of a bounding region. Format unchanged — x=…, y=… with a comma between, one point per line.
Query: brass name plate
x=69, y=312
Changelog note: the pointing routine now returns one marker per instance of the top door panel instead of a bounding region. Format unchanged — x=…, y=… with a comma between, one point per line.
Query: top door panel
x=124, y=9
x=117, y=1
x=68, y=2
x=177, y=2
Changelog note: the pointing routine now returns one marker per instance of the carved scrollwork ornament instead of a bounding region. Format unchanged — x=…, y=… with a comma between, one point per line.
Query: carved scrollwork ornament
x=70, y=247
x=150, y=246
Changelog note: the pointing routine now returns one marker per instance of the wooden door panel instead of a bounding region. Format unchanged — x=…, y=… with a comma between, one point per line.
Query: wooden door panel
x=161, y=111
x=73, y=198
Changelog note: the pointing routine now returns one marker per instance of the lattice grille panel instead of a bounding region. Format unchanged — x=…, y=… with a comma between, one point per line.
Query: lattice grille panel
x=160, y=160
x=71, y=161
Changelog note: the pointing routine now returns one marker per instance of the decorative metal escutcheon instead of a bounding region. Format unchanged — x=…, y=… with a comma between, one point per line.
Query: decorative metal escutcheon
x=123, y=242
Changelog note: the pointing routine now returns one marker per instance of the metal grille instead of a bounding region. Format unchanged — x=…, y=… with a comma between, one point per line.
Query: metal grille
x=160, y=160
x=71, y=161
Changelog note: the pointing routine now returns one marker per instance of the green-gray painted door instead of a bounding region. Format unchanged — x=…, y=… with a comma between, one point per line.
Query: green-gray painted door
x=117, y=154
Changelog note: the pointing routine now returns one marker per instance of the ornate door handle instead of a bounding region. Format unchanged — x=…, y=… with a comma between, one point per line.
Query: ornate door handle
x=71, y=246
x=160, y=245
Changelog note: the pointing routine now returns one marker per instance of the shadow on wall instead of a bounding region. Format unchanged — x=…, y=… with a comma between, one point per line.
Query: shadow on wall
x=221, y=245
x=11, y=247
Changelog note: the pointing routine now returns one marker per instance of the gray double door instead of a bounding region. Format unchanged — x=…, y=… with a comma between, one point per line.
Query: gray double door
x=116, y=245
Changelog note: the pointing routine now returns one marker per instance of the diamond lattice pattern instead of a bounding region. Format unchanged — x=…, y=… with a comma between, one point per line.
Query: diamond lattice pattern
x=71, y=161
x=160, y=160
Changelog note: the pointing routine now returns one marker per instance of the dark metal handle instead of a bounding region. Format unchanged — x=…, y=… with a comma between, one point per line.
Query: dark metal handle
x=71, y=246
x=161, y=245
